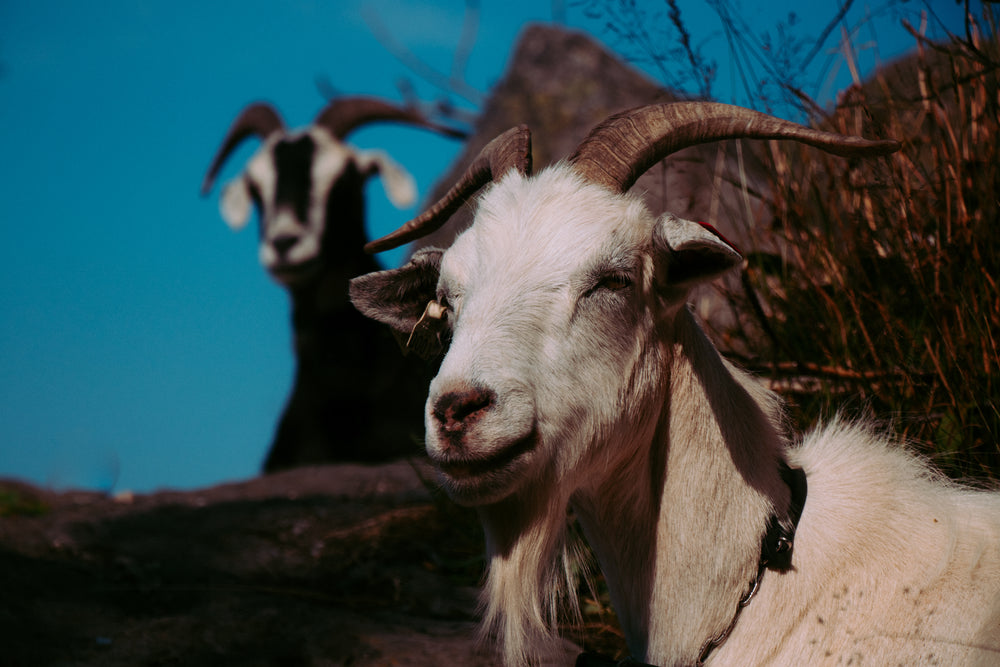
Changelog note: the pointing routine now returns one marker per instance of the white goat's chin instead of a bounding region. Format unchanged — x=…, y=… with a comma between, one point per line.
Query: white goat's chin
x=480, y=480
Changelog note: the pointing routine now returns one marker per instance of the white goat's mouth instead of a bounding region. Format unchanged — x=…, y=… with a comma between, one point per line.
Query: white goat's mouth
x=469, y=471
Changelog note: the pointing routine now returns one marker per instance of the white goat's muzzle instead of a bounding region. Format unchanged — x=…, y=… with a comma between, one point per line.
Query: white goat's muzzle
x=481, y=440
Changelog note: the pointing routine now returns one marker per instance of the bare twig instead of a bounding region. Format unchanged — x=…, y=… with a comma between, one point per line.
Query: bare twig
x=432, y=76
x=466, y=41
x=821, y=40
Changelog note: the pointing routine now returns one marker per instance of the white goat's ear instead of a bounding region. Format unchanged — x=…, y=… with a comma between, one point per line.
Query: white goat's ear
x=693, y=252
x=235, y=204
x=398, y=184
x=398, y=297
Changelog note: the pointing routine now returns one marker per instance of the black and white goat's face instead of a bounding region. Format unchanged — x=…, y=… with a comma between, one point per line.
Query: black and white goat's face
x=555, y=299
x=294, y=181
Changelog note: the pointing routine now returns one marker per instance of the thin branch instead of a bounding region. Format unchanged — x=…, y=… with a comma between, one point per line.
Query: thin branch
x=685, y=39
x=416, y=65
x=467, y=40
x=818, y=46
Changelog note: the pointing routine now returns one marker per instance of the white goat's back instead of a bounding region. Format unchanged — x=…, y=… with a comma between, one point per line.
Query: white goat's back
x=893, y=565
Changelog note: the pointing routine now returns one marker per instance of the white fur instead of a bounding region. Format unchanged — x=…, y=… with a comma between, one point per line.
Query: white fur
x=893, y=565
x=397, y=183
x=235, y=204
x=670, y=459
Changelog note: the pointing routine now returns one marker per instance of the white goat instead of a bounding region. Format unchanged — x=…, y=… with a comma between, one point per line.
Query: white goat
x=577, y=377
x=308, y=186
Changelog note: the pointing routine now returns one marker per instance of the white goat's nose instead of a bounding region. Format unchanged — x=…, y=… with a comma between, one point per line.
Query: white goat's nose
x=460, y=409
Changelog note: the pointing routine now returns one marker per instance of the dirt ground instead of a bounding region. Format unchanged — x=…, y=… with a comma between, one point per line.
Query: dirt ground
x=332, y=565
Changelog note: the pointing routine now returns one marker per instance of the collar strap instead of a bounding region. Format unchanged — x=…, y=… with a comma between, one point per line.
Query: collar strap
x=775, y=550
x=776, y=547
x=775, y=554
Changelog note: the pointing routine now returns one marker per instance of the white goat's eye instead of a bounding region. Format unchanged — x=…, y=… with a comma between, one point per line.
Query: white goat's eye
x=615, y=282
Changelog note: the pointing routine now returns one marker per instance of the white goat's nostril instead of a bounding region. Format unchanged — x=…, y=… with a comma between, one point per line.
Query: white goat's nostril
x=457, y=410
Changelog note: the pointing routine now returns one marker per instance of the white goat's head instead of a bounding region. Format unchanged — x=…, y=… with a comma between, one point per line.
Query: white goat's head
x=302, y=181
x=560, y=298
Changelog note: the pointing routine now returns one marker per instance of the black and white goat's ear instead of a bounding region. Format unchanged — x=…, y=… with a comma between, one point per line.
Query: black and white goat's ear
x=398, y=184
x=236, y=203
x=690, y=252
x=399, y=297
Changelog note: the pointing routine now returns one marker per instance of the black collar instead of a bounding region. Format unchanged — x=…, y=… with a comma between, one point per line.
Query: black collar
x=775, y=554
x=776, y=548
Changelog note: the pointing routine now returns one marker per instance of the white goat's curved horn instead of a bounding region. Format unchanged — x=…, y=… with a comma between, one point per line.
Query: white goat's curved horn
x=510, y=150
x=258, y=119
x=619, y=150
x=345, y=114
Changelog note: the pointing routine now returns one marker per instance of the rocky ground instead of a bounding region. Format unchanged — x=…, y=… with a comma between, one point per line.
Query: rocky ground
x=333, y=565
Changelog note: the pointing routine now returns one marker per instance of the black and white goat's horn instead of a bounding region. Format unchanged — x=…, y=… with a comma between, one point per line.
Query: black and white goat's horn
x=620, y=150
x=343, y=115
x=510, y=150
x=258, y=119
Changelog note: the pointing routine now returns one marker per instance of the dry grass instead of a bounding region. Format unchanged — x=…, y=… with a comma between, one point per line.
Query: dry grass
x=885, y=301
x=887, y=296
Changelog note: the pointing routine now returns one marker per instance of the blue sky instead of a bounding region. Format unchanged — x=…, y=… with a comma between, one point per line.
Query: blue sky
x=141, y=344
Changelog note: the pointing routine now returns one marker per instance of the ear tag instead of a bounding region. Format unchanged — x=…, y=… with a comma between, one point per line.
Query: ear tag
x=711, y=228
x=427, y=330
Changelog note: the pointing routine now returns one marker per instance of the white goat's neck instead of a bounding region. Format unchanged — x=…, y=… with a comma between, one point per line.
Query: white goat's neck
x=679, y=536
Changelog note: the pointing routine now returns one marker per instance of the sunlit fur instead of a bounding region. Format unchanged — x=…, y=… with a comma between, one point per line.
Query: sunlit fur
x=670, y=458
x=513, y=285
x=894, y=565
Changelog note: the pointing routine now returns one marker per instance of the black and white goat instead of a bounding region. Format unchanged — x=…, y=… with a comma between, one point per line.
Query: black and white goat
x=308, y=189
x=576, y=376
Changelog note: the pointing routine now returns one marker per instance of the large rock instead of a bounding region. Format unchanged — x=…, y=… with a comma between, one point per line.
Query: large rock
x=561, y=84
x=335, y=565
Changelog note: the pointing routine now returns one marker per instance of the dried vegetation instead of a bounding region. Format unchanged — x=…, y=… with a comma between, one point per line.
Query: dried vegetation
x=888, y=297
